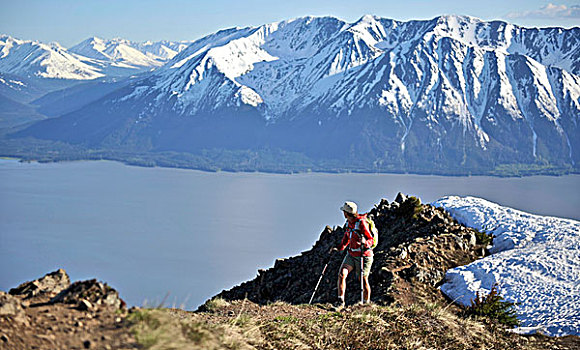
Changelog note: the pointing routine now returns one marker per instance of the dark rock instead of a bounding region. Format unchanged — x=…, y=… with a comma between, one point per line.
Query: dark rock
x=87, y=344
x=400, y=198
x=94, y=292
x=53, y=282
x=84, y=305
x=4, y=338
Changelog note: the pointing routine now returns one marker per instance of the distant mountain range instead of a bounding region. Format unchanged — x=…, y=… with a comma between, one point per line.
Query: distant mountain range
x=91, y=59
x=452, y=95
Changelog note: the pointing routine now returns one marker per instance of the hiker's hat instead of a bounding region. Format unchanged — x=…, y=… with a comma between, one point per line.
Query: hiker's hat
x=349, y=207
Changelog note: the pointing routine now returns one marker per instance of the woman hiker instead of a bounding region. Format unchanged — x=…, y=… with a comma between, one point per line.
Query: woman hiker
x=359, y=240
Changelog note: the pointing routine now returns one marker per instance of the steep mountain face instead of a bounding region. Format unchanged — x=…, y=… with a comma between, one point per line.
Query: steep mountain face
x=453, y=94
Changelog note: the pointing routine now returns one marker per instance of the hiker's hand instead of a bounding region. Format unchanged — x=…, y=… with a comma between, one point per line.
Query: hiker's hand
x=332, y=250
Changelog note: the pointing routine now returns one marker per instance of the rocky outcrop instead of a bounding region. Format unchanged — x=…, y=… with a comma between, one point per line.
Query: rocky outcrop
x=84, y=315
x=85, y=294
x=417, y=244
x=51, y=283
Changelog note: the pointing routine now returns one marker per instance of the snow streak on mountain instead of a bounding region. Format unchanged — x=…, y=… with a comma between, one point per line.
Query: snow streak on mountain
x=453, y=93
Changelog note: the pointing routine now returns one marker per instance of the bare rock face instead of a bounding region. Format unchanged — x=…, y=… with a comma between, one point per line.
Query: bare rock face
x=51, y=283
x=11, y=306
x=92, y=292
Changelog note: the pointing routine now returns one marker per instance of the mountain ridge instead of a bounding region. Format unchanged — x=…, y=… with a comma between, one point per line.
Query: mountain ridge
x=454, y=92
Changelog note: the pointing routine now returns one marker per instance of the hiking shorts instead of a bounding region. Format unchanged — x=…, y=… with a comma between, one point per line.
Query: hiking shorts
x=355, y=263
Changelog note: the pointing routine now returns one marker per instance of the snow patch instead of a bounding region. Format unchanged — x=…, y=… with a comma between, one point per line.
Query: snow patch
x=535, y=261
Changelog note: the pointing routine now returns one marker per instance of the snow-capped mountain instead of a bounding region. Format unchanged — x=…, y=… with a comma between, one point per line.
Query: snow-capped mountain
x=534, y=261
x=34, y=59
x=454, y=92
x=120, y=53
x=34, y=69
x=90, y=59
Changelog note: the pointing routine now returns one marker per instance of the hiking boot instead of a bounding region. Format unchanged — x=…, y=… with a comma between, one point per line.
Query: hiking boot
x=339, y=304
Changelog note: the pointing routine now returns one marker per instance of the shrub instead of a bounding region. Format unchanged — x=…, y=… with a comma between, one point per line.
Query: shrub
x=412, y=207
x=484, y=238
x=214, y=304
x=494, y=307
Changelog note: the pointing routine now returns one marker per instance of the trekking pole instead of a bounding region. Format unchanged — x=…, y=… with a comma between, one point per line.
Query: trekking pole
x=362, y=261
x=320, y=279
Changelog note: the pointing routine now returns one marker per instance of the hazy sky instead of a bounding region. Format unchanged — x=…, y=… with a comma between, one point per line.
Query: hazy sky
x=71, y=21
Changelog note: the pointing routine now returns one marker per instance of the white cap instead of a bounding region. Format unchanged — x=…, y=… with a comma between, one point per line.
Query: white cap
x=349, y=207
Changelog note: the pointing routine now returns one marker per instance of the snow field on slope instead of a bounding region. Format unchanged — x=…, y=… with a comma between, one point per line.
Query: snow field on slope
x=535, y=261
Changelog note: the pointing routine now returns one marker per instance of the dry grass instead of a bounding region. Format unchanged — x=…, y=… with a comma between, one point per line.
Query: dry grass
x=244, y=325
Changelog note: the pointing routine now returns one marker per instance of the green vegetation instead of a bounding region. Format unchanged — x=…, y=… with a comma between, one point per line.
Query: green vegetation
x=214, y=304
x=494, y=307
x=263, y=160
x=411, y=208
x=517, y=170
x=484, y=238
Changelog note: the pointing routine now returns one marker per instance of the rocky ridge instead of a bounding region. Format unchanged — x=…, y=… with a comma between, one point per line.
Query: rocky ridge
x=417, y=244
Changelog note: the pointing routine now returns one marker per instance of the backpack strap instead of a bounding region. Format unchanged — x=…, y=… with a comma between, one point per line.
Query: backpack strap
x=356, y=228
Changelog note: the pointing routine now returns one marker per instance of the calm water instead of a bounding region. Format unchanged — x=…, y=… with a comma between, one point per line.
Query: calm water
x=149, y=232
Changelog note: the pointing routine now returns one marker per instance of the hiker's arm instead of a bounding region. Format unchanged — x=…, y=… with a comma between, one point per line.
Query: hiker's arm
x=344, y=241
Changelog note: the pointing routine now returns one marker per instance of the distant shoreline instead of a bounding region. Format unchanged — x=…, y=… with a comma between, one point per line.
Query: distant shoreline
x=288, y=171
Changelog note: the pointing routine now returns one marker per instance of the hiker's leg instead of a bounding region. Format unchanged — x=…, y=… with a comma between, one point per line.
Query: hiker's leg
x=368, y=262
x=342, y=275
x=366, y=289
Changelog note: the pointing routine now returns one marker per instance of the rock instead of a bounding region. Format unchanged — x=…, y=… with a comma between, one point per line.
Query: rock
x=9, y=305
x=403, y=254
x=87, y=344
x=53, y=282
x=386, y=274
x=79, y=324
x=45, y=336
x=325, y=233
x=4, y=338
x=460, y=243
x=280, y=263
x=470, y=238
x=96, y=293
x=84, y=305
x=400, y=198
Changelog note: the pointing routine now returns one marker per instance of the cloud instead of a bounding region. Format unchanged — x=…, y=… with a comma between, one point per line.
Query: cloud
x=549, y=11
